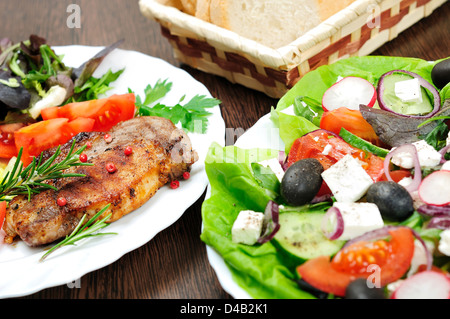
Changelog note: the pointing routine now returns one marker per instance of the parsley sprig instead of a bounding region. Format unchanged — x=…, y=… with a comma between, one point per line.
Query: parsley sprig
x=84, y=230
x=192, y=115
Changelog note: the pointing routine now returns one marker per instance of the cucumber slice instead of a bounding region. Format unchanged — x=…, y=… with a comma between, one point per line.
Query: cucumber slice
x=404, y=107
x=301, y=236
x=362, y=144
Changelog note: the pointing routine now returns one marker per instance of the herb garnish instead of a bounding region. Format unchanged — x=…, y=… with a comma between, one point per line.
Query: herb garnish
x=90, y=229
x=30, y=180
x=191, y=116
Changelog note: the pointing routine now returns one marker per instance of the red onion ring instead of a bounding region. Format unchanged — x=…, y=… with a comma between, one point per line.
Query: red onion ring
x=424, y=83
x=439, y=222
x=282, y=159
x=383, y=232
x=433, y=211
x=271, y=222
x=443, y=151
x=339, y=227
x=411, y=149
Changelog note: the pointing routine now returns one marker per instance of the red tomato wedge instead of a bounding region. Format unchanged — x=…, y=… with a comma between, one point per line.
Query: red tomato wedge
x=7, y=142
x=2, y=213
x=352, y=121
x=106, y=112
x=328, y=149
x=391, y=259
x=398, y=175
x=40, y=136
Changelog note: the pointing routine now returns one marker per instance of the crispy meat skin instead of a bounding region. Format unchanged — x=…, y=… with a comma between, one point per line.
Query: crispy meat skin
x=161, y=153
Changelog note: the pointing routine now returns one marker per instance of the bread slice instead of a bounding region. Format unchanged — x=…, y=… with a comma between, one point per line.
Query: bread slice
x=189, y=6
x=273, y=23
x=172, y=3
x=202, y=10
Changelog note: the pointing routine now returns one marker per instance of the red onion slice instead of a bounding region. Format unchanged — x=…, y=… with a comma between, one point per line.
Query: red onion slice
x=439, y=222
x=424, y=83
x=338, y=228
x=444, y=151
x=271, y=222
x=411, y=149
x=383, y=232
x=282, y=159
x=434, y=211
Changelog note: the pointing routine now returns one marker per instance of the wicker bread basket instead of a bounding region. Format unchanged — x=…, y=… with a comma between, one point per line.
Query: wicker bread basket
x=357, y=30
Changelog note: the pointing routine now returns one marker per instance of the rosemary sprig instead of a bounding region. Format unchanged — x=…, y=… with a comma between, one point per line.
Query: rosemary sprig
x=90, y=229
x=30, y=180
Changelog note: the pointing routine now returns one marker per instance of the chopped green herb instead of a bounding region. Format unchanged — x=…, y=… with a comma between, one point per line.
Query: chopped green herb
x=192, y=115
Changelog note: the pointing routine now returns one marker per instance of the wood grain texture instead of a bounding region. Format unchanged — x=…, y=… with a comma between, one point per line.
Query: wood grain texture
x=174, y=264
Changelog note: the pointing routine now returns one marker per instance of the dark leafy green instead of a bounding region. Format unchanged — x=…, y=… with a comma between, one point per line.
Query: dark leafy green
x=28, y=69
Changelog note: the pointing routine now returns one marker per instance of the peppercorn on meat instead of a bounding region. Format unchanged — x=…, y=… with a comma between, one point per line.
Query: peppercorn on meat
x=139, y=157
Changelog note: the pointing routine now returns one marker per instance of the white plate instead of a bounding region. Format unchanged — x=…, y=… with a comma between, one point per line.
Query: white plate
x=264, y=134
x=23, y=273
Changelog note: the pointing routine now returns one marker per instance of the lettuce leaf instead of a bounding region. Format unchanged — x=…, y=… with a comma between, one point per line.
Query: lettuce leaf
x=315, y=83
x=258, y=269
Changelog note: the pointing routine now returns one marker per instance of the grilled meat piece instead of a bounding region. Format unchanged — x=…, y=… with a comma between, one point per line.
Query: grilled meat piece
x=160, y=153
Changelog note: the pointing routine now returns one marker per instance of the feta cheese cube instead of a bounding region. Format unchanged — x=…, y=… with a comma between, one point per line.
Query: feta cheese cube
x=359, y=218
x=428, y=156
x=247, y=227
x=347, y=180
x=408, y=90
x=327, y=149
x=55, y=97
x=444, y=242
x=275, y=166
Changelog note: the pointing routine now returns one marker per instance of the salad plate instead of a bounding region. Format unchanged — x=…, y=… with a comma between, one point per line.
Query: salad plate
x=265, y=271
x=27, y=274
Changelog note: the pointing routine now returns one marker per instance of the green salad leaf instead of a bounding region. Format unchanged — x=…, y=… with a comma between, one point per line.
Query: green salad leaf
x=314, y=84
x=234, y=188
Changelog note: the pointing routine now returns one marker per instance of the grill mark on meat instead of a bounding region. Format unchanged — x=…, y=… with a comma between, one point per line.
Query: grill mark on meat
x=161, y=153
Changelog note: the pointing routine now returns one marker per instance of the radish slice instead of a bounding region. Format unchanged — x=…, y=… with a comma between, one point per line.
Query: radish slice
x=424, y=285
x=349, y=92
x=435, y=188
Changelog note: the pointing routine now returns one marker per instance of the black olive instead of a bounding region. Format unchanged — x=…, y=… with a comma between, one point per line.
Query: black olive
x=393, y=200
x=440, y=74
x=359, y=289
x=303, y=285
x=301, y=181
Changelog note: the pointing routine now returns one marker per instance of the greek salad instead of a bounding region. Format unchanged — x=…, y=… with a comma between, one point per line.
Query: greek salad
x=357, y=203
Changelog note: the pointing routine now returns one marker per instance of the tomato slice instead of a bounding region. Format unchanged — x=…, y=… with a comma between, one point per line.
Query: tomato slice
x=2, y=213
x=7, y=142
x=328, y=149
x=398, y=175
x=391, y=259
x=40, y=136
x=106, y=112
x=352, y=121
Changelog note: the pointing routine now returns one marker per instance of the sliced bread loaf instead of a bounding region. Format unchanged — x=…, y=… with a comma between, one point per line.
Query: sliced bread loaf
x=273, y=23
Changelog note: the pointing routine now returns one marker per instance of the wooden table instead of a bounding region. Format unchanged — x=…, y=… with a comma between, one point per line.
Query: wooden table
x=173, y=264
